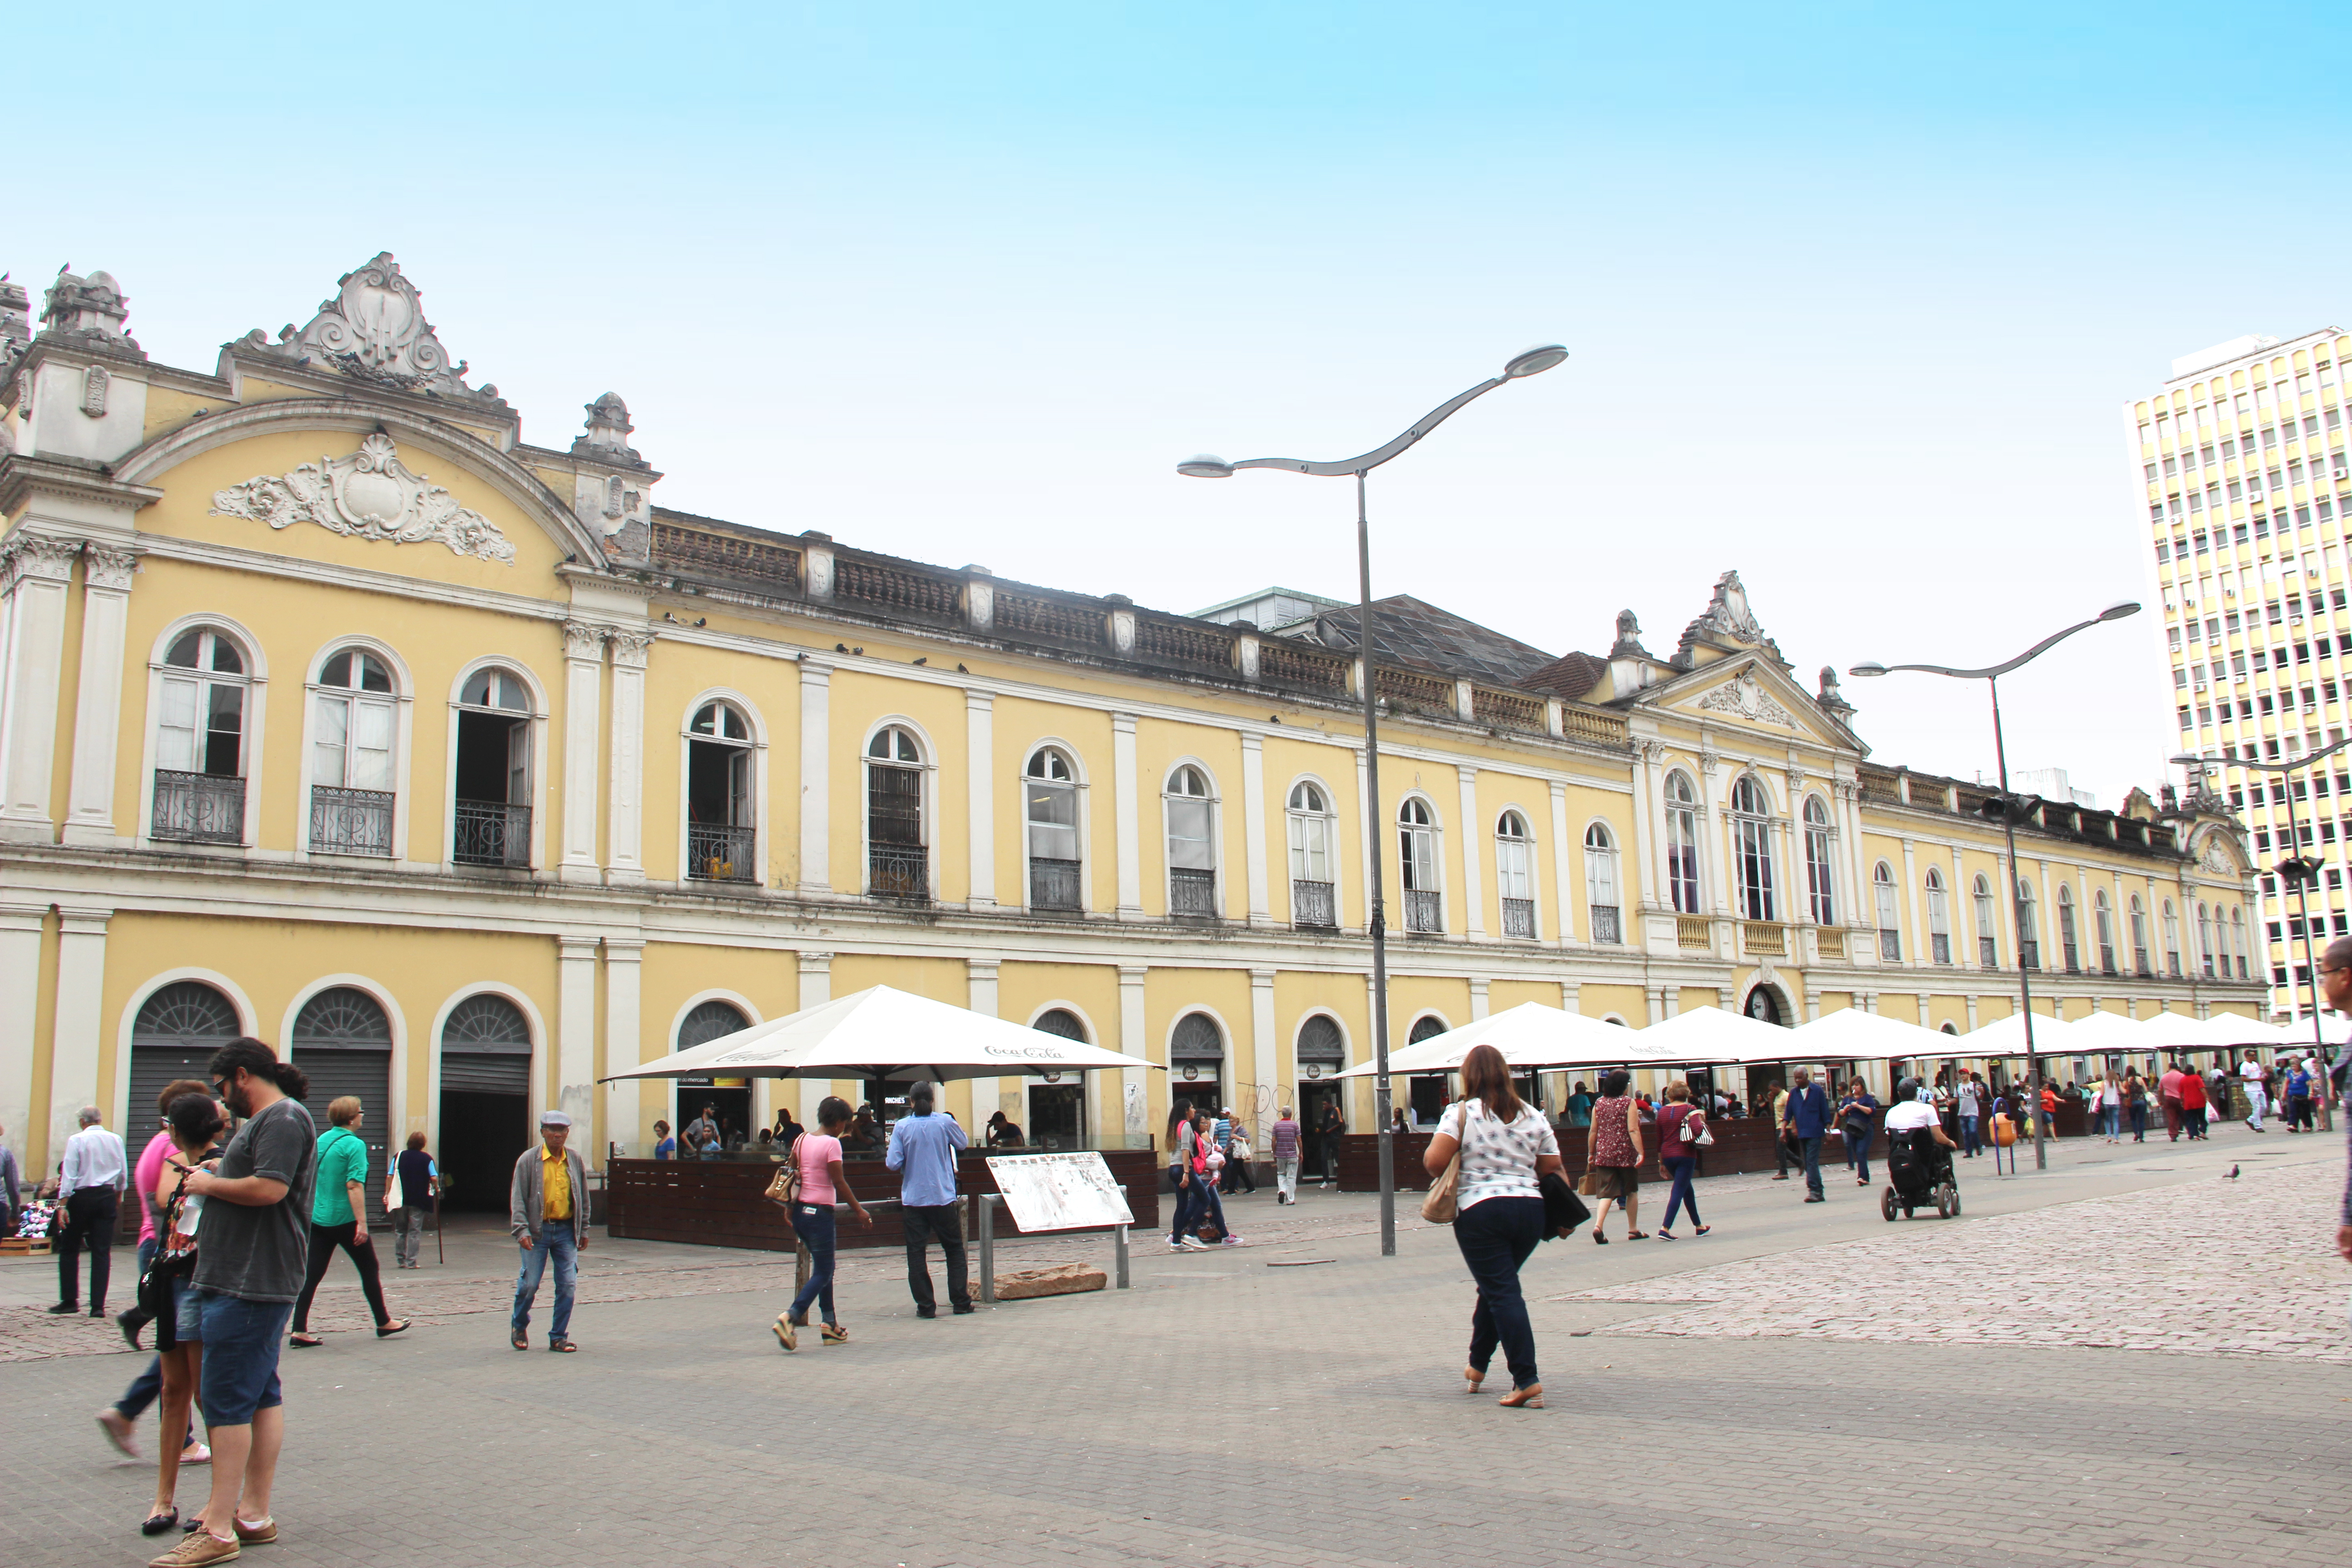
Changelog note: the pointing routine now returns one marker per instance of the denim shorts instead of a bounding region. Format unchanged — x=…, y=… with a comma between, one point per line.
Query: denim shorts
x=187, y=1320
x=242, y=1340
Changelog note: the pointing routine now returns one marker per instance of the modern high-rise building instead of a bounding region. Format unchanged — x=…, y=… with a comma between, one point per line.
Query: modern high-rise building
x=2239, y=461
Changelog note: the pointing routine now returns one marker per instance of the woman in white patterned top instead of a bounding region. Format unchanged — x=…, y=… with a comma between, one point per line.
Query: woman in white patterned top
x=1505, y=1144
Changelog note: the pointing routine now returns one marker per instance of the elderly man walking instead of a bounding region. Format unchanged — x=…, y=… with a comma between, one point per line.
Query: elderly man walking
x=548, y=1215
x=90, y=1186
x=923, y=1151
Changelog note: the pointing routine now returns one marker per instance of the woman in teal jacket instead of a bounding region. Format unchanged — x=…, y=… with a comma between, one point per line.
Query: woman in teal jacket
x=339, y=1219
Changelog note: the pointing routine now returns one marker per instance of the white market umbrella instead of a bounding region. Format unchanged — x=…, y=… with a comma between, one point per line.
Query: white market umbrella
x=2103, y=1032
x=2006, y=1037
x=1852, y=1035
x=2172, y=1031
x=885, y=1035
x=1712, y=1035
x=1530, y=1036
x=2235, y=1029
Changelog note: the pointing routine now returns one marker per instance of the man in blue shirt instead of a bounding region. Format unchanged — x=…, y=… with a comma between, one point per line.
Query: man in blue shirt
x=923, y=1151
x=1808, y=1116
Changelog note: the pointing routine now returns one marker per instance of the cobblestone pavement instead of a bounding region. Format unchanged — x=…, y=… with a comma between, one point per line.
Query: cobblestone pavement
x=1224, y=1412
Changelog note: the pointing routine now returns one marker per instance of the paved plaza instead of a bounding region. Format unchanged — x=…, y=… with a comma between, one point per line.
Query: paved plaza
x=2133, y=1358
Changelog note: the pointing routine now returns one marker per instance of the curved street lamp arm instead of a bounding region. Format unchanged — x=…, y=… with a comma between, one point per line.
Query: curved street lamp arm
x=2219, y=763
x=1996, y=671
x=1377, y=454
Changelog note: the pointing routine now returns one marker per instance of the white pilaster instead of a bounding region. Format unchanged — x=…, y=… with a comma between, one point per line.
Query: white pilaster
x=980, y=773
x=817, y=989
x=97, y=706
x=575, y=1038
x=1964, y=915
x=624, y=1047
x=20, y=990
x=1134, y=1108
x=1368, y=830
x=1715, y=857
x=1563, y=867
x=1261, y=909
x=583, y=701
x=1478, y=1007
x=625, y=833
x=36, y=571
x=81, y=988
x=1265, y=1042
x=979, y=987
x=1917, y=946
x=817, y=775
x=1473, y=854
x=1131, y=817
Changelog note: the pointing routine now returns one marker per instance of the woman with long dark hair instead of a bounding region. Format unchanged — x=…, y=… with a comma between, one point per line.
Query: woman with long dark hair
x=1181, y=1149
x=195, y=1122
x=1505, y=1144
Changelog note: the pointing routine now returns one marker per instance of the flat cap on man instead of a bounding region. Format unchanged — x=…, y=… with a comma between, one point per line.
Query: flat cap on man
x=553, y=1119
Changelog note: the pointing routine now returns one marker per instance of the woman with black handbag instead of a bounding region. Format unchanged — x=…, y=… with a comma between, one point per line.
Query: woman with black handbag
x=195, y=1121
x=1505, y=1145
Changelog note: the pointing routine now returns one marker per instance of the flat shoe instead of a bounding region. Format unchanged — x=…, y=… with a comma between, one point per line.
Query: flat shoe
x=1599, y=1239
x=1528, y=1398
x=157, y=1523
x=1700, y=1230
x=306, y=1341
x=259, y=1533
x=1637, y=1236
x=1665, y=1236
x=388, y=1330
x=196, y=1454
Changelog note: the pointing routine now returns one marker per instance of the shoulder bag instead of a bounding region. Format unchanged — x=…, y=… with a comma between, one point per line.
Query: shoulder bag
x=1442, y=1203
x=1706, y=1138
x=786, y=1188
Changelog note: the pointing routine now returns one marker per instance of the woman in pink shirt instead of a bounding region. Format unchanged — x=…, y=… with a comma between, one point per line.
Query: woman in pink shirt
x=817, y=1156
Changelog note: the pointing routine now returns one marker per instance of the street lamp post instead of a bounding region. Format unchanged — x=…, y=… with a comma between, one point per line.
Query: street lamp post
x=2008, y=815
x=1527, y=363
x=2300, y=871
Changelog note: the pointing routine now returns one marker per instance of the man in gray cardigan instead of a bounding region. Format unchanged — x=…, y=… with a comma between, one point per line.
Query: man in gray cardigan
x=548, y=1212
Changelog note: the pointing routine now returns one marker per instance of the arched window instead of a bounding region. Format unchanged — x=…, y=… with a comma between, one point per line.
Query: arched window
x=1322, y=1050
x=1417, y=853
x=1600, y=884
x=1196, y=1060
x=486, y=1050
x=1682, y=843
x=1514, y=881
x=1312, y=904
x=492, y=783
x=898, y=863
x=1890, y=931
x=1817, y=861
x=1190, y=807
x=2106, y=916
x=1057, y=1101
x=343, y=1039
x=1988, y=925
x=721, y=796
x=173, y=1035
x=2171, y=941
x=200, y=751
x=2205, y=939
x=2069, y=944
x=712, y=1020
x=1061, y=1023
x=352, y=765
x=1049, y=795
x=2238, y=938
x=2139, y=937
x=1939, y=919
x=1426, y=1028
x=2028, y=926
x=1751, y=835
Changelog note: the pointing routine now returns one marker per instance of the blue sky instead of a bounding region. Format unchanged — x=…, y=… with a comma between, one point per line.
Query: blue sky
x=1854, y=294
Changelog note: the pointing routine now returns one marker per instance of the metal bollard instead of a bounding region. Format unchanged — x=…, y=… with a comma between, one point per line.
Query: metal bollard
x=988, y=1202
x=1119, y=1252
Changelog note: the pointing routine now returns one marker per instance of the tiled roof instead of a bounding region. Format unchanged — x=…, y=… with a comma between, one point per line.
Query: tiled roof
x=1571, y=676
x=1426, y=638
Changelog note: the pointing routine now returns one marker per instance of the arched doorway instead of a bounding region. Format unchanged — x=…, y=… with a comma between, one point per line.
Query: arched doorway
x=1763, y=1004
x=485, y=1101
x=174, y=1036
x=1321, y=1053
x=729, y=1099
x=1425, y=1093
x=1058, y=1101
x=344, y=1041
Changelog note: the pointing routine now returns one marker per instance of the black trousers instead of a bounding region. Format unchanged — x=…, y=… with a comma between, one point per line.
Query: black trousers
x=89, y=1220
x=941, y=1223
x=324, y=1240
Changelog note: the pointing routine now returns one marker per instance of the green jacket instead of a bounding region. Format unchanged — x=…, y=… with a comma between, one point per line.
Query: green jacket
x=343, y=1158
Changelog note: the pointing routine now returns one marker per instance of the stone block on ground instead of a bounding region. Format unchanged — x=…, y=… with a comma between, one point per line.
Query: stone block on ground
x=1061, y=1279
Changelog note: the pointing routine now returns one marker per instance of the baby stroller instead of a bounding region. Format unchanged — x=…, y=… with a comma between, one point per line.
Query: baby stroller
x=1919, y=1171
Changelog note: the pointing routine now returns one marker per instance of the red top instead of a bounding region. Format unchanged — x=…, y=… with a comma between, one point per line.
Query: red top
x=2192, y=1092
x=1671, y=1117
x=1611, y=1145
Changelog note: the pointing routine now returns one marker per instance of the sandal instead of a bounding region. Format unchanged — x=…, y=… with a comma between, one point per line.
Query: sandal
x=521, y=1341
x=833, y=1334
x=562, y=1347
x=1599, y=1239
x=157, y=1523
x=1528, y=1398
x=306, y=1341
x=1474, y=1377
x=1637, y=1236
x=385, y=1331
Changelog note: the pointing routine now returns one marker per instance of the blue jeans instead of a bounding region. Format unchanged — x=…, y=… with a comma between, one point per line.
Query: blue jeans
x=1969, y=1144
x=1496, y=1235
x=557, y=1241
x=1857, y=1153
x=2113, y=1115
x=242, y=1340
x=144, y=1388
x=1812, y=1147
x=1188, y=1210
x=1681, y=1197
x=814, y=1226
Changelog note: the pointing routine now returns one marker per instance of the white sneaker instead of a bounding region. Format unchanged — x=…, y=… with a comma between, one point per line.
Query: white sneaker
x=1194, y=1244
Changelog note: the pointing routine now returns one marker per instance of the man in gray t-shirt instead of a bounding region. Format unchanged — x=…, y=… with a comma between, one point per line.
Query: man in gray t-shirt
x=259, y=1253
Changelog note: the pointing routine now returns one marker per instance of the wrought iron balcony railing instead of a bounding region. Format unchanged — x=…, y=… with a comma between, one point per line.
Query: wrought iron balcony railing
x=1054, y=884
x=1313, y=907
x=898, y=871
x=1520, y=916
x=1423, y=912
x=718, y=853
x=1191, y=892
x=351, y=821
x=198, y=808
x=492, y=833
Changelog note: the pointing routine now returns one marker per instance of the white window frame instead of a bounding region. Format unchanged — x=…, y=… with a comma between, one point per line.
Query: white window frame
x=758, y=746
x=1609, y=865
x=1683, y=822
x=1940, y=916
x=1761, y=824
x=1434, y=831
x=1081, y=794
x=1823, y=832
x=536, y=742
x=1987, y=903
x=256, y=681
x=1333, y=859
x=927, y=808
x=1524, y=841
x=1213, y=805
x=403, y=714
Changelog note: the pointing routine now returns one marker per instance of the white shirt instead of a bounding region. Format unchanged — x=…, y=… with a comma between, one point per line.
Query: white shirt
x=1909, y=1116
x=1498, y=1159
x=1967, y=1100
x=2250, y=1070
x=94, y=1158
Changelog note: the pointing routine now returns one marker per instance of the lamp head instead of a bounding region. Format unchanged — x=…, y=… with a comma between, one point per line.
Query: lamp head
x=1207, y=466
x=2118, y=610
x=1873, y=667
x=1533, y=361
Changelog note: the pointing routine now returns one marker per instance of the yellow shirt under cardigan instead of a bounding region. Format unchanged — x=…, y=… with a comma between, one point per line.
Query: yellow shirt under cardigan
x=555, y=1181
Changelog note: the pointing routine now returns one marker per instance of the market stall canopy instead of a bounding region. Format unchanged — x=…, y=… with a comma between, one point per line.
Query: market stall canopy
x=1530, y=1036
x=1852, y=1035
x=2102, y=1032
x=2006, y=1037
x=1700, y=1035
x=882, y=1033
x=2172, y=1031
x=2226, y=1029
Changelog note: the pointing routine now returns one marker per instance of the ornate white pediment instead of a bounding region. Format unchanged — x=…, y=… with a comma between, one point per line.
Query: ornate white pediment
x=1746, y=697
x=368, y=494
x=374, y=329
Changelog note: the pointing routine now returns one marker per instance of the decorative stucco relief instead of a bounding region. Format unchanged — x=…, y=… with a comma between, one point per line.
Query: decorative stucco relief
x=1748, y=699
x=368, y=494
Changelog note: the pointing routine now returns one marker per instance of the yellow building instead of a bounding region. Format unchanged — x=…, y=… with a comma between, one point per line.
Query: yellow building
x=2239, y=460
x=335, y=712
